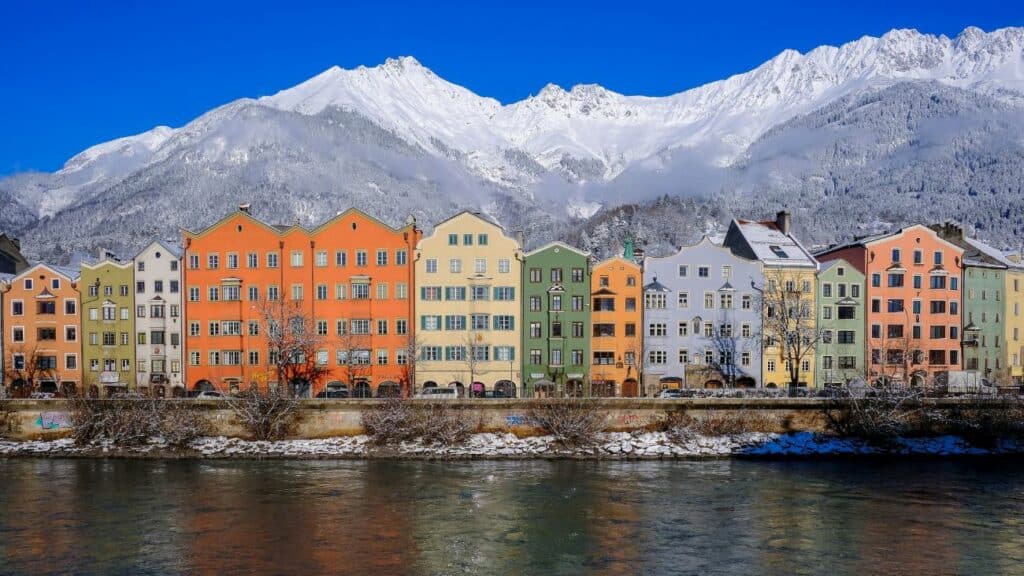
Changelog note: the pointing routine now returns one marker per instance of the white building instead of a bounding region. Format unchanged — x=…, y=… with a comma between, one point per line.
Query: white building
x=158, y=320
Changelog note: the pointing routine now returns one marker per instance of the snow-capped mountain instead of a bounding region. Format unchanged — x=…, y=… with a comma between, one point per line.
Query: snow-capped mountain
x=398, y=130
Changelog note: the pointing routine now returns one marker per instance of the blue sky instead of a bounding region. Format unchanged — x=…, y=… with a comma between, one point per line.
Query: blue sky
x=73, y=75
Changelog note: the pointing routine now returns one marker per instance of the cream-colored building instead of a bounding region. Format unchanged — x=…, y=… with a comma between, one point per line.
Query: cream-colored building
x=468, y=292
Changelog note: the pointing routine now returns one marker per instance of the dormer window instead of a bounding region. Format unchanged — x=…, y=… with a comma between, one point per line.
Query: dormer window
x=778, y=251
x=896, y=255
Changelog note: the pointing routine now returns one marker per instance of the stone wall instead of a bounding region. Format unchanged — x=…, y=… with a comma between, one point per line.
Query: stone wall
x=40, y=419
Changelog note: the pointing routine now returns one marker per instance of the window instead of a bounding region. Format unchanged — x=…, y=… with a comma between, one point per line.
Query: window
x=480, y=266
x=70, y=307
x=480, y=293
x=252, y=260
x=453, y=239
x=430, y=353
x=846, y=312
x=826, y=312
x=576, y=275
x=454, y=322
x=937, y=332
x=401, y=257
x=683, y=271
x=382, y=291
x=273, y=293
x=577, y=330
x=479, y=321
x=657, y=357
x=213, y=261
x=536, y=275
x=213, y=293
x=504, y=322
x=654, y=301
x=556, y=302
x=895, y=305
x=937, y=282
x=895, y=280
x=504, y=293
x=467, y=239
x=296, y=258
x=703, y=271
x=657, y=329
x=272, y=259
x=876, y=280
x=504, y=266
x=430, y=293
x=556, y=275
x=938, y=258
x=536, y=356
x=70, y=333
x=232, y=293
x=938, y=306
x=431, y=265
x=826, y=290
x=725, y=301
x=709, y=301
x=363, y=326
x=481, y=239
x=455, y=265
x=896, y=255
x=894, y=331
x=603, y=358
x=361, y=291
x=601, y=330
x=297, y=291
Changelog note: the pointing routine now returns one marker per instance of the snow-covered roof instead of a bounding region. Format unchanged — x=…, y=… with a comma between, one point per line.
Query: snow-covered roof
x=773, y=247
x=977, y=253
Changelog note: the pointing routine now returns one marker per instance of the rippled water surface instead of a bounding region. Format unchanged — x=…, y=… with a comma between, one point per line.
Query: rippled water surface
x=537, y=517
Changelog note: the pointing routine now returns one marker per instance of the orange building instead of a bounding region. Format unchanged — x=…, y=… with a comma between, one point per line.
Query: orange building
x=351, y=277
x=41, y=346
x=913, y=300
x=616, y=343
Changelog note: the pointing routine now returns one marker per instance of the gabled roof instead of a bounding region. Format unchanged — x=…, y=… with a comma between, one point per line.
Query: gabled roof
x=772, y=246
x=69, y=274
x=559, y=245
x=172, y=250
x=977, y=253
x=705, y=240
x=107, y=261
x=867, y=241
x=617, y=259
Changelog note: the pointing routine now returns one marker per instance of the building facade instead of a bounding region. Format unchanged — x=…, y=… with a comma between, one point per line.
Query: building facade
x=11, y=259
x=41, y=332
x=159, y=326
x=912, y=297
x=344, y=285
x=616, y=316
x=992, y=299
x=789, y=283
x=108, y=325
x=702, y=323
x=468, y=286
x=841, y=349
x=556, y=323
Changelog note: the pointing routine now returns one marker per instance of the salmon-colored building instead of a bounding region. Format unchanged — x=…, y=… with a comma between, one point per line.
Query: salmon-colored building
x=616, y=345
x=351, y=277
x=41, y=340
x=913, y=298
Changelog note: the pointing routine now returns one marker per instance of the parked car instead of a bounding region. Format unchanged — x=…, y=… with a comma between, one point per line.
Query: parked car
x=210, y=395
x=493, y=394
x=438, y=393
x=335, y=391
x=670, y=393
x=42, y=395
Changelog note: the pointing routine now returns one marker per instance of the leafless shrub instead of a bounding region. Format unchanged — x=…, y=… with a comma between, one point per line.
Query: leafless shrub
x=573, y=422
x=133, y=420
x=681, y=426
x=396, y=420
x=389, y=422
x=441, y=425
x=881, y=416
x=982, y=426
x=265, y=414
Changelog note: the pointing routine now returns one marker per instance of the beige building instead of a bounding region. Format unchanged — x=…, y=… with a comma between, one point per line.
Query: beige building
x=468, y=291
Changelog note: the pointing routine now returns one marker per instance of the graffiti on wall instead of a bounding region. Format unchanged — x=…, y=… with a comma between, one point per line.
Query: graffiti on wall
x=53, y=420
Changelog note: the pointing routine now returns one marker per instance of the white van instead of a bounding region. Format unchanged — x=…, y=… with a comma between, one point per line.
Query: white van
x=438, y=393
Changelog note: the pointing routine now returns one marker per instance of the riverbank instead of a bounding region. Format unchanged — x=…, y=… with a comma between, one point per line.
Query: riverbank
x=489, y=446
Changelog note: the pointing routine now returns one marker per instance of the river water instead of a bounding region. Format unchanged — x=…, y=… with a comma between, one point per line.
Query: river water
x=531, y=517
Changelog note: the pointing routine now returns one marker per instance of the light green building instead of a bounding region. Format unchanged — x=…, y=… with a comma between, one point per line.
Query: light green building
x=108, y=326
x=840, y=352
x=556, y=322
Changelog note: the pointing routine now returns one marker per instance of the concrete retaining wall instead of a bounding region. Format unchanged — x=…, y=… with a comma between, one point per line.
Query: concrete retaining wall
x=35, y=419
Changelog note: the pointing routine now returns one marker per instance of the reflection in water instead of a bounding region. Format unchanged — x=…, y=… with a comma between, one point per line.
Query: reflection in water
x=538, y=517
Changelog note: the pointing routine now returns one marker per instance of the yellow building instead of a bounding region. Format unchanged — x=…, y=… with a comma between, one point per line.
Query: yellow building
x=789, y=281
x=1014, y=323
x=468, y=291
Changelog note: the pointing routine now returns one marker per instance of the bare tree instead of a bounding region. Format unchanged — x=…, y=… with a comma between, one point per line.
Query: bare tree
x=354, y=357
x=25, y=379
x=411, y=349
x=789, y=331
x=293, y=341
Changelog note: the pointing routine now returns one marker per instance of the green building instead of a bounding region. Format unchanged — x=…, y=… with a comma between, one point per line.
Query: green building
x=108, y=326
x=556, y=321
x=983, y=316
x=841, y=316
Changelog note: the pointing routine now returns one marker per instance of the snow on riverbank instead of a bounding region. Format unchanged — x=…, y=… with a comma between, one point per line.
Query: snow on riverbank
x=623, y=445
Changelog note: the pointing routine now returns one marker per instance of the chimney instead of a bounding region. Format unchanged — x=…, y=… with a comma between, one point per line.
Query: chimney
x=245, y=207
x=627, y=249
x=520, y=238
x=783, y=219
x=17, y=243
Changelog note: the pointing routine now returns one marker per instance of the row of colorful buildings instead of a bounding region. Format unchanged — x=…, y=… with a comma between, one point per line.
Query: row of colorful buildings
x=394, y=311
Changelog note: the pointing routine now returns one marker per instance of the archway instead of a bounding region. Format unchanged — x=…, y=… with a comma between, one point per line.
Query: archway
x=159, y=391
x=670, y=382
x=746, y=382
x=574, y=388
x=602, y=388
x=48, y=386
x=362, y=390
x=94, y=391
x=505, y=389
x=918, y=379
x=389, y=389
x=476, y=389
x=68, y=389
x=178, y=391
x=713, y=383
x=771, y=385
x=430, y=384
x=630, y=388
x=20, y=388
x=543, y=389
x=459, y=387
x=204, y=386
